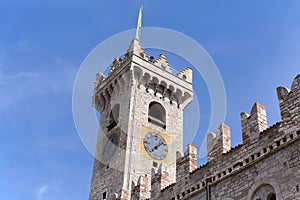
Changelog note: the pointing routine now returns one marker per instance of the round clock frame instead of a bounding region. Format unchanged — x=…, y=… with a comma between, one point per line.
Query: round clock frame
x=155, y=145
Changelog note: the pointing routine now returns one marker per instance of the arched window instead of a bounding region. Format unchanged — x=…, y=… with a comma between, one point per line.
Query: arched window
x=113, y=118
x=157, y=114
x=271, y=196
x=264, y=192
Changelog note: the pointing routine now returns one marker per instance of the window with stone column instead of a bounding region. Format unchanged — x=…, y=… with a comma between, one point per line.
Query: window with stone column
x=157, y=114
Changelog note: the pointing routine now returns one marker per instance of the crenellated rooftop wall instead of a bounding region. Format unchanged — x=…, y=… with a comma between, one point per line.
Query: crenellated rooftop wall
x=225, y=163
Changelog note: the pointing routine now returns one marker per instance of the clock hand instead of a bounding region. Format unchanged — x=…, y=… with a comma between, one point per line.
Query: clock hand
x=160, y=142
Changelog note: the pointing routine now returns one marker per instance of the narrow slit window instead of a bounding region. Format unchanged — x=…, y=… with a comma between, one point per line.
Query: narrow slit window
x=113, y=117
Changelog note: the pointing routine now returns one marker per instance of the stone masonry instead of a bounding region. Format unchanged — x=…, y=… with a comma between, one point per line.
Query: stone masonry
x=123, y=98
x=266, y=166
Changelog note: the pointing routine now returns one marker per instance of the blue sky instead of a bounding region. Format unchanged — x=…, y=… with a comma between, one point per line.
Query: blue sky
x=255, y=45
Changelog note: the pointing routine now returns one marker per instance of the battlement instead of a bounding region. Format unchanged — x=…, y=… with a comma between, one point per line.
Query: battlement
x=218, y=143
x=289, y=103
x=259, y=142
x=254, y=123
x=136, y=50
x=154, y=76
x=141, y=189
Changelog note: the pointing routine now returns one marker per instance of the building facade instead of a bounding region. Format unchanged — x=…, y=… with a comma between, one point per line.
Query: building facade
x=140, y=141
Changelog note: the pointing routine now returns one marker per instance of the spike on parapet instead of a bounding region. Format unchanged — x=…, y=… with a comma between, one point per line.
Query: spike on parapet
x=254, y=123
x=186, y=74
x=162, y=62
x=159, y=181
x=187, y=163
x=218, y=143
x=136, y=48
x=141, y=191
x=289, y=102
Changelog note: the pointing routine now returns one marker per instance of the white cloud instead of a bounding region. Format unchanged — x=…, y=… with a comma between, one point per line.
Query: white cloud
x=36, y=72
x=41, y=192
x=4, y=78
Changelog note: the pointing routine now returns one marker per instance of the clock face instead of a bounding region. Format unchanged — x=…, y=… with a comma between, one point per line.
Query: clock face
x=111, y=146
x=156, y=146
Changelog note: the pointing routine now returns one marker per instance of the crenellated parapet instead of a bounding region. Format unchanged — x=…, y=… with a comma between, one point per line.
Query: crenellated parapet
x=141, y=190
x=254, y=123
x=260, y=144
x=159, y=180
x=289, y=103
x=186, y=74
x=218, y=143
x=162, y=62
x=186, y=163
x=152, y=76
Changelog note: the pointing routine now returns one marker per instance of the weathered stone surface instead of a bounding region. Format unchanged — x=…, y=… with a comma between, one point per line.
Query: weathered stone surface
x=123, y=98
x=266, y=165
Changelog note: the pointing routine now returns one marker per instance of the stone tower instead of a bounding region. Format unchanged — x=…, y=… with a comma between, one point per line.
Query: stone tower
x=141, y=102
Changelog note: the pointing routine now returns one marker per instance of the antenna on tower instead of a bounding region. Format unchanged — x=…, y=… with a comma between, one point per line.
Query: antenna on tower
x=139, y=25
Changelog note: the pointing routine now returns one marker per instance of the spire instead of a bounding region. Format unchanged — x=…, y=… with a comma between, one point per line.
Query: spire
x=139, y=25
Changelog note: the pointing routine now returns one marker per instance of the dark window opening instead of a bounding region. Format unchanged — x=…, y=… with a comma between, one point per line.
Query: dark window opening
x=258, y=154
x=113, y=117
x=271, y=196
x=284, y=139
x=104, y=195
x=154, y=164
x=271, y=147
x=298, y=132
x=265, y=150
x=157, y=114
x=239, y=164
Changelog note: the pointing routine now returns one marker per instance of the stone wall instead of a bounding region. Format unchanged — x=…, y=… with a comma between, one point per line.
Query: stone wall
x=267, y=162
